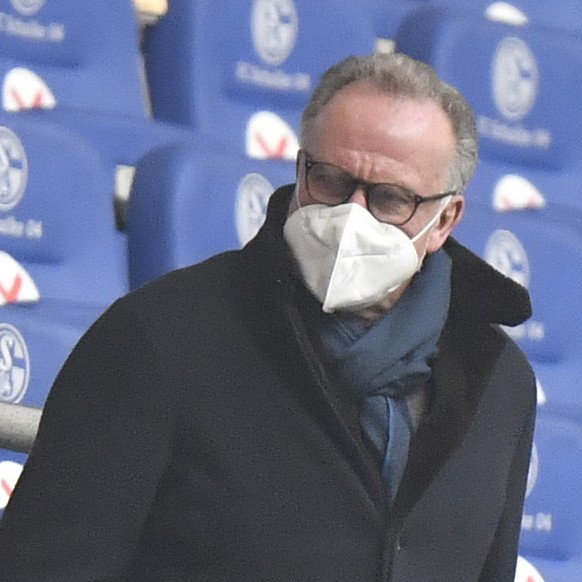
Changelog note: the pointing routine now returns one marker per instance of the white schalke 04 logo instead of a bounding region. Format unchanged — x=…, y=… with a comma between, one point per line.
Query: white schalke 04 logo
x=14, y=364
x=505, y=252
x=515, y=78
x=274, y=27
x=27, y=7
x=13, y=169
x=252, y=198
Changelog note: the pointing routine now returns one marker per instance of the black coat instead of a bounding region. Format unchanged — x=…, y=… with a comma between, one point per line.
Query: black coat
x=196, y=434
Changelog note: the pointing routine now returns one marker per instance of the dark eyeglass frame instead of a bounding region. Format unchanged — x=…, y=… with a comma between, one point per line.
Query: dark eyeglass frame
x=415, y=199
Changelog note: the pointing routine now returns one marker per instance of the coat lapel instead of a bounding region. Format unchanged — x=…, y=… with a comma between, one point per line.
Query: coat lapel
x=461, y=374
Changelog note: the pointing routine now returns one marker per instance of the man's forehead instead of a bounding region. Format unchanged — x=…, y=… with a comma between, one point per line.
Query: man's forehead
x=385, y=138
x=363, y=112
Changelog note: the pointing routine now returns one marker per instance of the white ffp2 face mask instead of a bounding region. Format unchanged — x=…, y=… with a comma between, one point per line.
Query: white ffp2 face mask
x=348, y=259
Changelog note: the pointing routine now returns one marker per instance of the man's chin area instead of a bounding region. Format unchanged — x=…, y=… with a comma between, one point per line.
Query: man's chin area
x=370, y=315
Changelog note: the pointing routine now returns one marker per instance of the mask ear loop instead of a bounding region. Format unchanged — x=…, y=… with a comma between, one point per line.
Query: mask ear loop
x=443, y=204
x=431, y=222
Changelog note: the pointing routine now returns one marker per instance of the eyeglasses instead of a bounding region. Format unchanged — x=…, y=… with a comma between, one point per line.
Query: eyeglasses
x=331, y=185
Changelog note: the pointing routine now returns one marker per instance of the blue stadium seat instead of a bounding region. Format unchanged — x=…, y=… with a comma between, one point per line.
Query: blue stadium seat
x=540, y=248
x=551, y=537
x=241, y=72
x=524, y=206
x=387, y=16
x=36, y=338
x=568, y=17
x=512, y=77
x=62, y=260
x=56, y=211
x=120, y=141
x=72, y=54
x=87, y=57
x=189, y=202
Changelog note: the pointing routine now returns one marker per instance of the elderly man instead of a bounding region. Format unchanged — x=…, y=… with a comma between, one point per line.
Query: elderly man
x=334, y=402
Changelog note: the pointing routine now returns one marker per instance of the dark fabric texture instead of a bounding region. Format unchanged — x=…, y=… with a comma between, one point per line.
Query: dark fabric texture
x=197, y=433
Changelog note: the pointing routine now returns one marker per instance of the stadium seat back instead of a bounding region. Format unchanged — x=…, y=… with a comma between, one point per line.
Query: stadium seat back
x=512, y=77
x=120, y=141
x=551, y=533
x=520, y=224
x=56, y=212
x=241, y=72
x=72, y=54
x=188, y=203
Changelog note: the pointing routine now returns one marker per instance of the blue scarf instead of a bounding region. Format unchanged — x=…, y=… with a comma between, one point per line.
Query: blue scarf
x=387, y=366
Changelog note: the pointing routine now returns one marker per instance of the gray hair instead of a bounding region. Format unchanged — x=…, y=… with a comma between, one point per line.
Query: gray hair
x=400, y=75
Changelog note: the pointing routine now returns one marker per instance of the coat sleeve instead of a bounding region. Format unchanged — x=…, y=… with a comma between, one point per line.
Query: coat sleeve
x=501, y=561
x=103, y=443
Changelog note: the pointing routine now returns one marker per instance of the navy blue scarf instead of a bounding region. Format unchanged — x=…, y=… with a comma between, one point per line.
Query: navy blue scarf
x=388, y=365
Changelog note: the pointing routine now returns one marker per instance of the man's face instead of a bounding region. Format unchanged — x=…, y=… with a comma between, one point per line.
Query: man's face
x=380, y=138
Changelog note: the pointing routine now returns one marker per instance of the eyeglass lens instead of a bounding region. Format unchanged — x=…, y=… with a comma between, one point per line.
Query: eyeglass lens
x=331, y=185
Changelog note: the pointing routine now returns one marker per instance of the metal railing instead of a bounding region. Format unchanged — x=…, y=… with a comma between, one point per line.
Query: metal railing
x=18, y=426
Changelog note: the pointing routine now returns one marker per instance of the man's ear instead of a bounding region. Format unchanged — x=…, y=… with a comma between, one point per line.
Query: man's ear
x=448, y=220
